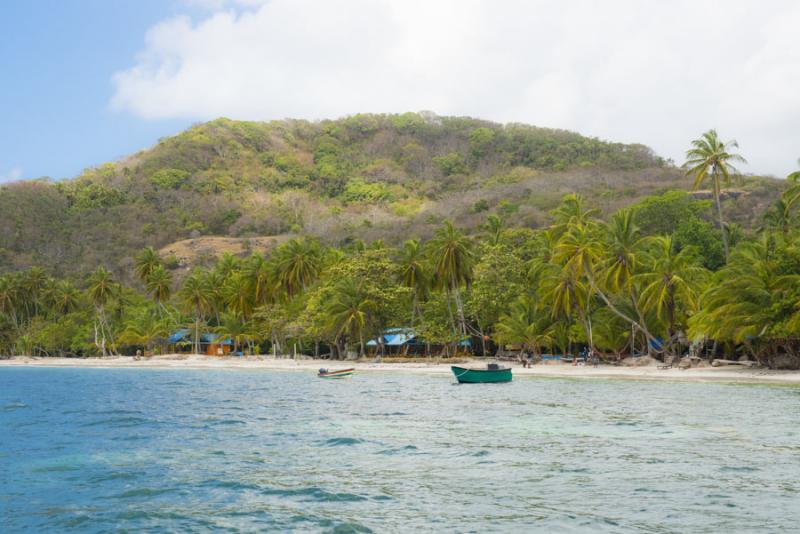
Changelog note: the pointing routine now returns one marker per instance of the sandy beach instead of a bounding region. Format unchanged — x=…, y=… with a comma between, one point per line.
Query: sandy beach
x=174, y=361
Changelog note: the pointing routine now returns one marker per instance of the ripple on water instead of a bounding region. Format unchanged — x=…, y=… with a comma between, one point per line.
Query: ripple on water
x=315, y=494
x=120, y=422
x=142, y=492
x=408, y=449
x=738, y=469
x=338, y=442
x=347, y=528
x=224, y=422
x=12, y=406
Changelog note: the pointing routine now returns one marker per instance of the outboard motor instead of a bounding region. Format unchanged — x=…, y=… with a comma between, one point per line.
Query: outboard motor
x=493, y=367
x=322, y=370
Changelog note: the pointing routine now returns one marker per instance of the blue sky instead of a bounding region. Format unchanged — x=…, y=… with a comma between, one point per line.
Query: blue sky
x=83, y=82
x=57, y=58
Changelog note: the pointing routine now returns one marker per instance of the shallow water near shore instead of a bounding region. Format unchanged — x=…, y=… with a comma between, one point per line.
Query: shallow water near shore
x=92, y=450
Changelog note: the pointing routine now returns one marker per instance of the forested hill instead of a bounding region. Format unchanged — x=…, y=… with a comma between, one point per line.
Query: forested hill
x=364, y=177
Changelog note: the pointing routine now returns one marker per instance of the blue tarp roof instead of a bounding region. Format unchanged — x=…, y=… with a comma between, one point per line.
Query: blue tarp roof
x=185, y=334
x=396, y=337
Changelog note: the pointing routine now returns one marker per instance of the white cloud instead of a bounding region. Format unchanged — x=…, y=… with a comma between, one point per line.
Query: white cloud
x=655, y=72
x=12, y=175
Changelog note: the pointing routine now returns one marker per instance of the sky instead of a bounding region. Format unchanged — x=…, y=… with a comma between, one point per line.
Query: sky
x=88, y=81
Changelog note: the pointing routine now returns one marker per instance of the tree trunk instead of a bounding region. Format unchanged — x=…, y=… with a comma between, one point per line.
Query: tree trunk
x=719, y=215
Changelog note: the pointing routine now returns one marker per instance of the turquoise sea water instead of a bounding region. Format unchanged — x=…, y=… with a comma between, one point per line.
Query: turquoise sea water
x=93, y=450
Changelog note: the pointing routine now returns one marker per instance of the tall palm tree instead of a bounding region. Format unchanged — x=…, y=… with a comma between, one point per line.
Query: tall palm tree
x=349, y=309
x=298, y=264
x=102, y=288
x=261, y=279
x=567, y=295
x=145, y=263
x=63, y=297
x=453, y=261
x=195, y=295
x=238, y=295
x=214, y=282
x=624, y=245
x=34, y=283
x=414, y=273
x=671, y=280
x=712, y=160
x=159, y=285
x=9, y=297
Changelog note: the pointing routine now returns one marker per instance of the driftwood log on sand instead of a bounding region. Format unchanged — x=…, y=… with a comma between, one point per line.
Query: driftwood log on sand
x=720, y=363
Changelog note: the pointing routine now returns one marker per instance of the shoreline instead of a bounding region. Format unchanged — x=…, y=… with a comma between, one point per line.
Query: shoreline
x=609, y=372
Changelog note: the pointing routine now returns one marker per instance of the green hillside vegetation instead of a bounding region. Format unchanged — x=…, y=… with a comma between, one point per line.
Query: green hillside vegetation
x=364, y=177
x=652, y=278
x=645, y=268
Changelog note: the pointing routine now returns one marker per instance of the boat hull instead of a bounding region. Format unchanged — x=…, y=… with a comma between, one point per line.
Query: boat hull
x=341, y=373
x=480, y=376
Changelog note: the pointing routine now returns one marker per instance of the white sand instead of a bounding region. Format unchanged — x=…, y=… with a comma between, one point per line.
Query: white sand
x=704, y=374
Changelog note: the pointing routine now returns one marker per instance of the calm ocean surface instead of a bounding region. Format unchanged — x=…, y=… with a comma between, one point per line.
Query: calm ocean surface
x=93, y=450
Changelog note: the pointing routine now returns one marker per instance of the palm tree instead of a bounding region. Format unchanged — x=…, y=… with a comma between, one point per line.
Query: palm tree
x=146, y=262
x=710, y=159
x=494, y=229
x=236, y=328
x=671, y=280
x=567, y=294
x=159, y=285
x=742, y=302
x=298, y=264
x=214, y=283
x=624, y=246
x=453, y=260
x=349, y=309
x=414, y=273
x=238, y=295
x=102, y=288
x=571, y=212
x=261, y=279
x=195, y=296
x=145, y=328
x=9, y=297
x=525, y=324
x=227, y=264
x=779, y=216
x=34, y=283
x=63, y=297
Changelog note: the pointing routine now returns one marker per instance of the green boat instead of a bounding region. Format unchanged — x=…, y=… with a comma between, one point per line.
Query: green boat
x=492, y=373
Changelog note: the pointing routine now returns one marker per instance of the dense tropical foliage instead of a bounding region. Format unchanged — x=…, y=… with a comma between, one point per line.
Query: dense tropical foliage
x=655, y=277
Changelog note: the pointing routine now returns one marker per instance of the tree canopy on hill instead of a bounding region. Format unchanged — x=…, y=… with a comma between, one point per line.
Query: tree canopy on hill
x=361, y=177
